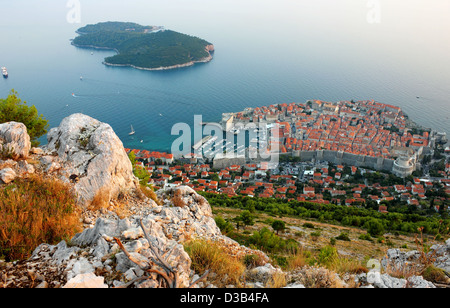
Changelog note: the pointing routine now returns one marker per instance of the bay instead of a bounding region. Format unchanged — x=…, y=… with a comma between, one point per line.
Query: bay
x=267, y=52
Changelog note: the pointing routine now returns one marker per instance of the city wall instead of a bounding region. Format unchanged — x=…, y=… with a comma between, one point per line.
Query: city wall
x=340, y=158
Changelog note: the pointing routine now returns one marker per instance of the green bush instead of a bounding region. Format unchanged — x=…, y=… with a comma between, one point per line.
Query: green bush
x=13, y=109
x=365, y=237
x=327, y=255
x=374, y=227
x=343, y=237
x=224, y=226
x=268, y=241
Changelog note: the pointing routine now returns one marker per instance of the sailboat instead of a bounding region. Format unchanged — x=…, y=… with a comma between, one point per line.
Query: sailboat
x=132, y=131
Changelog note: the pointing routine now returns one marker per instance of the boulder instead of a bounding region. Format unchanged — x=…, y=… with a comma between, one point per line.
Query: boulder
x=14, y=140
x=89, y=280
x=263, y=273
x=91, y=151
x=7, y=175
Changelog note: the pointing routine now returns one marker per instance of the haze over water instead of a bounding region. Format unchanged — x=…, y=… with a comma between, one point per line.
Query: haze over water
x=267, y=52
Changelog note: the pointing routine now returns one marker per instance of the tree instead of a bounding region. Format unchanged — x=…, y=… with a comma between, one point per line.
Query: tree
x=13, y=109
x=247, y=218
x=375, y=228
x=278, y=225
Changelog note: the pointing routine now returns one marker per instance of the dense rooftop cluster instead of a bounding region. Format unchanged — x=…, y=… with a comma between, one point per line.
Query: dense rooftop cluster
x=321, y=182
x=363, y=127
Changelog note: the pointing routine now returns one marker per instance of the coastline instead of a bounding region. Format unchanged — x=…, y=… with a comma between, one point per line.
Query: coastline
x=162, y=68
x=209, y=49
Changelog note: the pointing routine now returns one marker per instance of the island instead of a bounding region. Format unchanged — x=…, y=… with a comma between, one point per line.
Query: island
x=144, y=47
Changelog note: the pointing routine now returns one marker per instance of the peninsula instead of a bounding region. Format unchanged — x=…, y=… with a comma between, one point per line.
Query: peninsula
x=144, y=47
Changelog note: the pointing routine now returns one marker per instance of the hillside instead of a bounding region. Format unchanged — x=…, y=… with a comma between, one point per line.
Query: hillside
x=120, y=234
x=149, y=48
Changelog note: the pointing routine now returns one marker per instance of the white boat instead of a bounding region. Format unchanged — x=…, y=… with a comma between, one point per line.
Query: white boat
x=132, y=131
x=4, y=72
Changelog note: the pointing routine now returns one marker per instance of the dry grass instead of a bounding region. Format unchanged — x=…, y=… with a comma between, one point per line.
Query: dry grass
x=277, y=280
x=177, y=199
x=298, y=259
x=316, y=277
x=34, y=211
x=100, y=200
x=343, y=265
x=210, y=255
x=149, y=193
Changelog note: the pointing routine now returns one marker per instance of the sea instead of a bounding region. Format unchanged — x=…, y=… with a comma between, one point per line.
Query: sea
x=266, y=52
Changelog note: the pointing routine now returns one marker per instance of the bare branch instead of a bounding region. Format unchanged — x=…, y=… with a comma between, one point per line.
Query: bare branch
x=161, y=262
x=200, y=279
x=143, y=265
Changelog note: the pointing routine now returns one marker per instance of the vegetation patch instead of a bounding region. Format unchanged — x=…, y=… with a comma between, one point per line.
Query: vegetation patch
x=139, y=47
x=35, y=211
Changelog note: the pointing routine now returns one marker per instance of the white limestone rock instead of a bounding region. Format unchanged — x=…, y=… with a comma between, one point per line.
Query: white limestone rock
x=88, y=280
x=7, y=175
x=14, y=140
x=90, y=150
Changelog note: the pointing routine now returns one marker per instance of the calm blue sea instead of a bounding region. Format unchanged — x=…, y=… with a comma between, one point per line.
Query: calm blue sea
x=267, y=52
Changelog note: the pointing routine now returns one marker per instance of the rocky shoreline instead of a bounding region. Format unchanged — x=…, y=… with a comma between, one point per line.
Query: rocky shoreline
x=162, y=68
x=209, y=48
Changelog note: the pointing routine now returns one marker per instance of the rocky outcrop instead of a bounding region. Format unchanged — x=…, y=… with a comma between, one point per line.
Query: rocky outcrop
x=14, y=141
x=385, y=281
x=90, y=154
x=15, y=146
x=94, y=257
x=439, y=256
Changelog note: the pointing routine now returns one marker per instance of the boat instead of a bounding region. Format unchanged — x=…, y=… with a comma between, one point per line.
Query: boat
x=132, y=131
x=4, y=72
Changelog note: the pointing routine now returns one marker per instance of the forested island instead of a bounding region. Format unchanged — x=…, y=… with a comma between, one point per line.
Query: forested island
x=144, y=47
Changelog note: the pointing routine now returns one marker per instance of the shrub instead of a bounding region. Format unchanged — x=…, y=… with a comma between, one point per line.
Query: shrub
x=308, y=225
x=13, y=109
x=315, y=235
x=34, y=211
x=268, y=241
x=224, y=226
x=343, y=237
x=327, y=255
x=247, y=218
x=375, y=228
x=366, y=237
